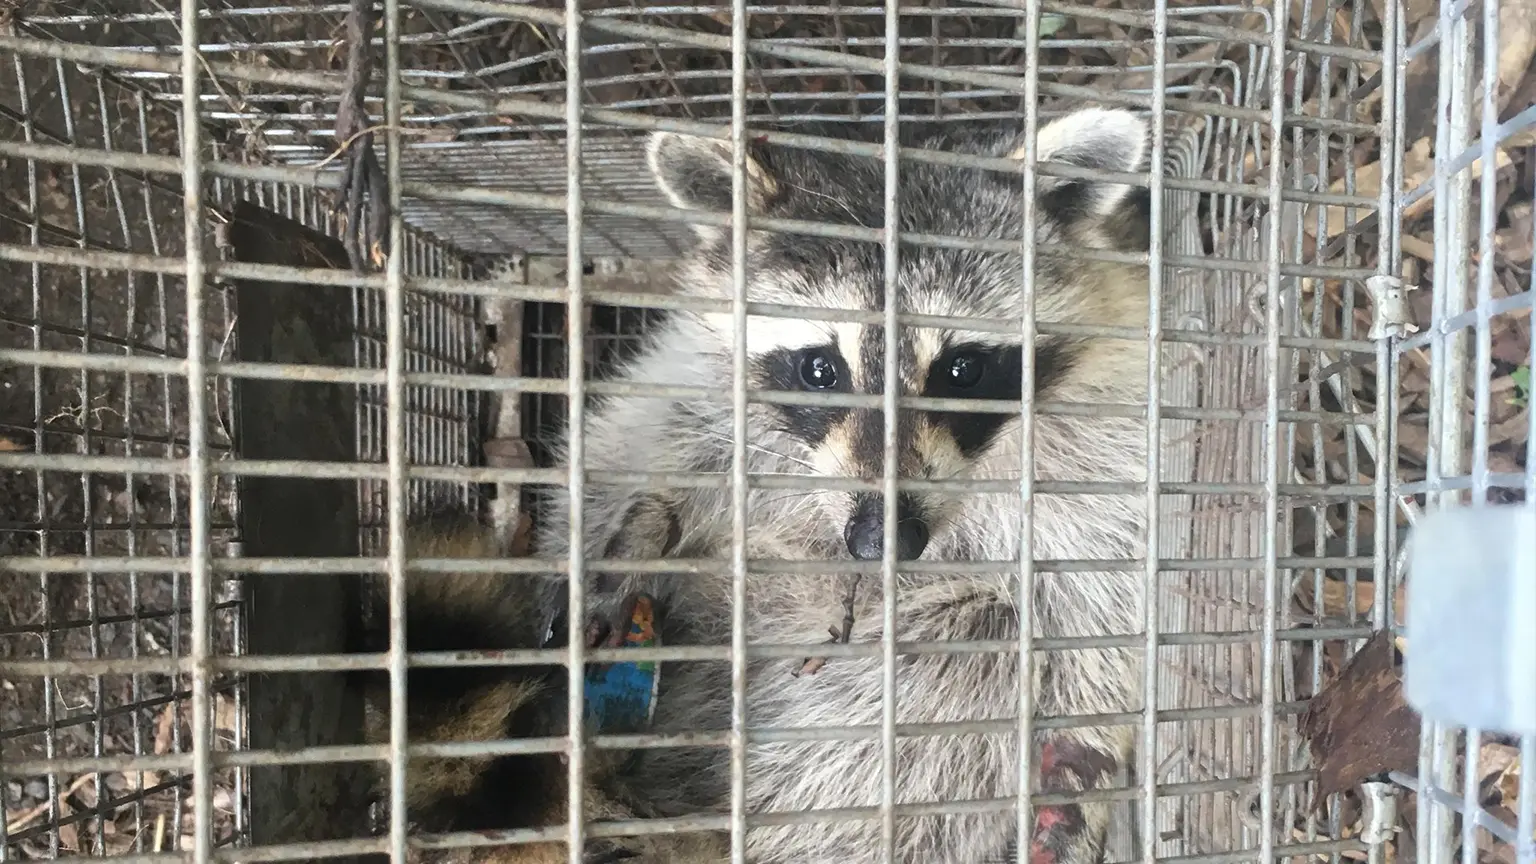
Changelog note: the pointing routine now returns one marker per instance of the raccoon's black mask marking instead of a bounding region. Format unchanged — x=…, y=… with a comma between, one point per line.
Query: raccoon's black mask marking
x=1001, y=379
x=780, y=370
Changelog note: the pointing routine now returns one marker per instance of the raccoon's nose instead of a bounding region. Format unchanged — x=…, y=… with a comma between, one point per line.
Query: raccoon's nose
x=865, y=531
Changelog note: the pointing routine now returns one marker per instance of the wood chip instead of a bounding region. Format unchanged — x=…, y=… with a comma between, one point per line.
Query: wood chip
x=1360, y=725
x=1419, y=248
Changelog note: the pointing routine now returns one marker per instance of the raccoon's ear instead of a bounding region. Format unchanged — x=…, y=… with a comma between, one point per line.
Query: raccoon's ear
x=695, y=174
x=1105, y=139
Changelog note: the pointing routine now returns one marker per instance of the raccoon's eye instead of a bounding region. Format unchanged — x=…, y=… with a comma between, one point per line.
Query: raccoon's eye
x=965, y=370
x=817, y=371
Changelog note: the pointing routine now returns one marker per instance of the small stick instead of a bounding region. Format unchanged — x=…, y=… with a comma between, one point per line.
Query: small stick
x=366, y=239
x=21, y=820
x=812, y=665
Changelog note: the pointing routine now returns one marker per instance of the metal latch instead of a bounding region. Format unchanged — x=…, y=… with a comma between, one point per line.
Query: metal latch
x=1389, y=307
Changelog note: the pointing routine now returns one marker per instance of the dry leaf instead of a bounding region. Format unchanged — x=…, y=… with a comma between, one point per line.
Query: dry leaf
x=11, y=445
x=165, y=728
x=1417, y=169
x=1498, y=767
x=1336, y=598
x=1360, y=725
x=1418, y=208
x=1517, y=46
x=224, y=719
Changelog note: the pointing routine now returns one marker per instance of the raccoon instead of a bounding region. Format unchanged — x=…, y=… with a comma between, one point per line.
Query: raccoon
x=638, y=433
x=818, y=747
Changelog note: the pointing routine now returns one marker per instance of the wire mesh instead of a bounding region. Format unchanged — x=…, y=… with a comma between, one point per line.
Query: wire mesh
x=1472, y=787
x=140, y=609
x=1271, y=427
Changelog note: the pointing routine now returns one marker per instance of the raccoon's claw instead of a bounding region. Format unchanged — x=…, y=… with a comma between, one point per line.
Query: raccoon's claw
x=1070, y=833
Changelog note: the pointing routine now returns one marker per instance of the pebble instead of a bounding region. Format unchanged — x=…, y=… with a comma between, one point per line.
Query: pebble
x=117, y=782
x=13, y=790
x=37, y=789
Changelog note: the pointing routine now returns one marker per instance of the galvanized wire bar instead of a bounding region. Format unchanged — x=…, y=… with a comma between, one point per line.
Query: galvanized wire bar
x=1387, y=265
x=1182, y=29
x=768, y=735
x=463, y=381
x=350, y=662
x=395, y=435
x=198, y=456
x=1273, y=251
x=1025, y=593
x=739, y=482
x=308, y=175
x=1525, y=849
x=891, y=375
x=1154, y=463
x=575, y=322
x=698, y=480
x=343, y=848
x=321, y=566
x=1487, y=224
x=790, y=226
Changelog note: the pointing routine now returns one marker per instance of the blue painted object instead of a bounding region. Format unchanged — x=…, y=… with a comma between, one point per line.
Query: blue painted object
x=621, y=697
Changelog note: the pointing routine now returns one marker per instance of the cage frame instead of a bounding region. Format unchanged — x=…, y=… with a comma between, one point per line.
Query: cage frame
x=1279, y=194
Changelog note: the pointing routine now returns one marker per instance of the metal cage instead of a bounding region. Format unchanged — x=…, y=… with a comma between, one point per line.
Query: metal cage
x=178, y=564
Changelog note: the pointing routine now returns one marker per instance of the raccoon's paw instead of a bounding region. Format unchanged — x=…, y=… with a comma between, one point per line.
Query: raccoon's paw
x=1071, y=833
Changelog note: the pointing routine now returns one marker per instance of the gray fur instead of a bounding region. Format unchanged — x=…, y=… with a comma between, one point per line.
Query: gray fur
x=635, y=433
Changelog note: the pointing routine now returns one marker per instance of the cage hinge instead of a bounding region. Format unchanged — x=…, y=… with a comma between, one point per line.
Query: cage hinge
x=1389, y=301
x=1380, y=812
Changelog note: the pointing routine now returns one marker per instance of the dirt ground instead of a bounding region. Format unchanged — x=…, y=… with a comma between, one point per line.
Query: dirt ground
x=57, y=411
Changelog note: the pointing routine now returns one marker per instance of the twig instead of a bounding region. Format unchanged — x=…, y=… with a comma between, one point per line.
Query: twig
x=27, y=817
x=812, y=665
x=363, y=182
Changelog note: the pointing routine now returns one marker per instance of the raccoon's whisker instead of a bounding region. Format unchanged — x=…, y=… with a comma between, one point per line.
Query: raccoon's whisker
x=825, y=197
x=759, y=448
x=788, y=496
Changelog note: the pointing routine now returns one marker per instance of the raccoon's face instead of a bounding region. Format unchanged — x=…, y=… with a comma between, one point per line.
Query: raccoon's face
x=829, y=357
